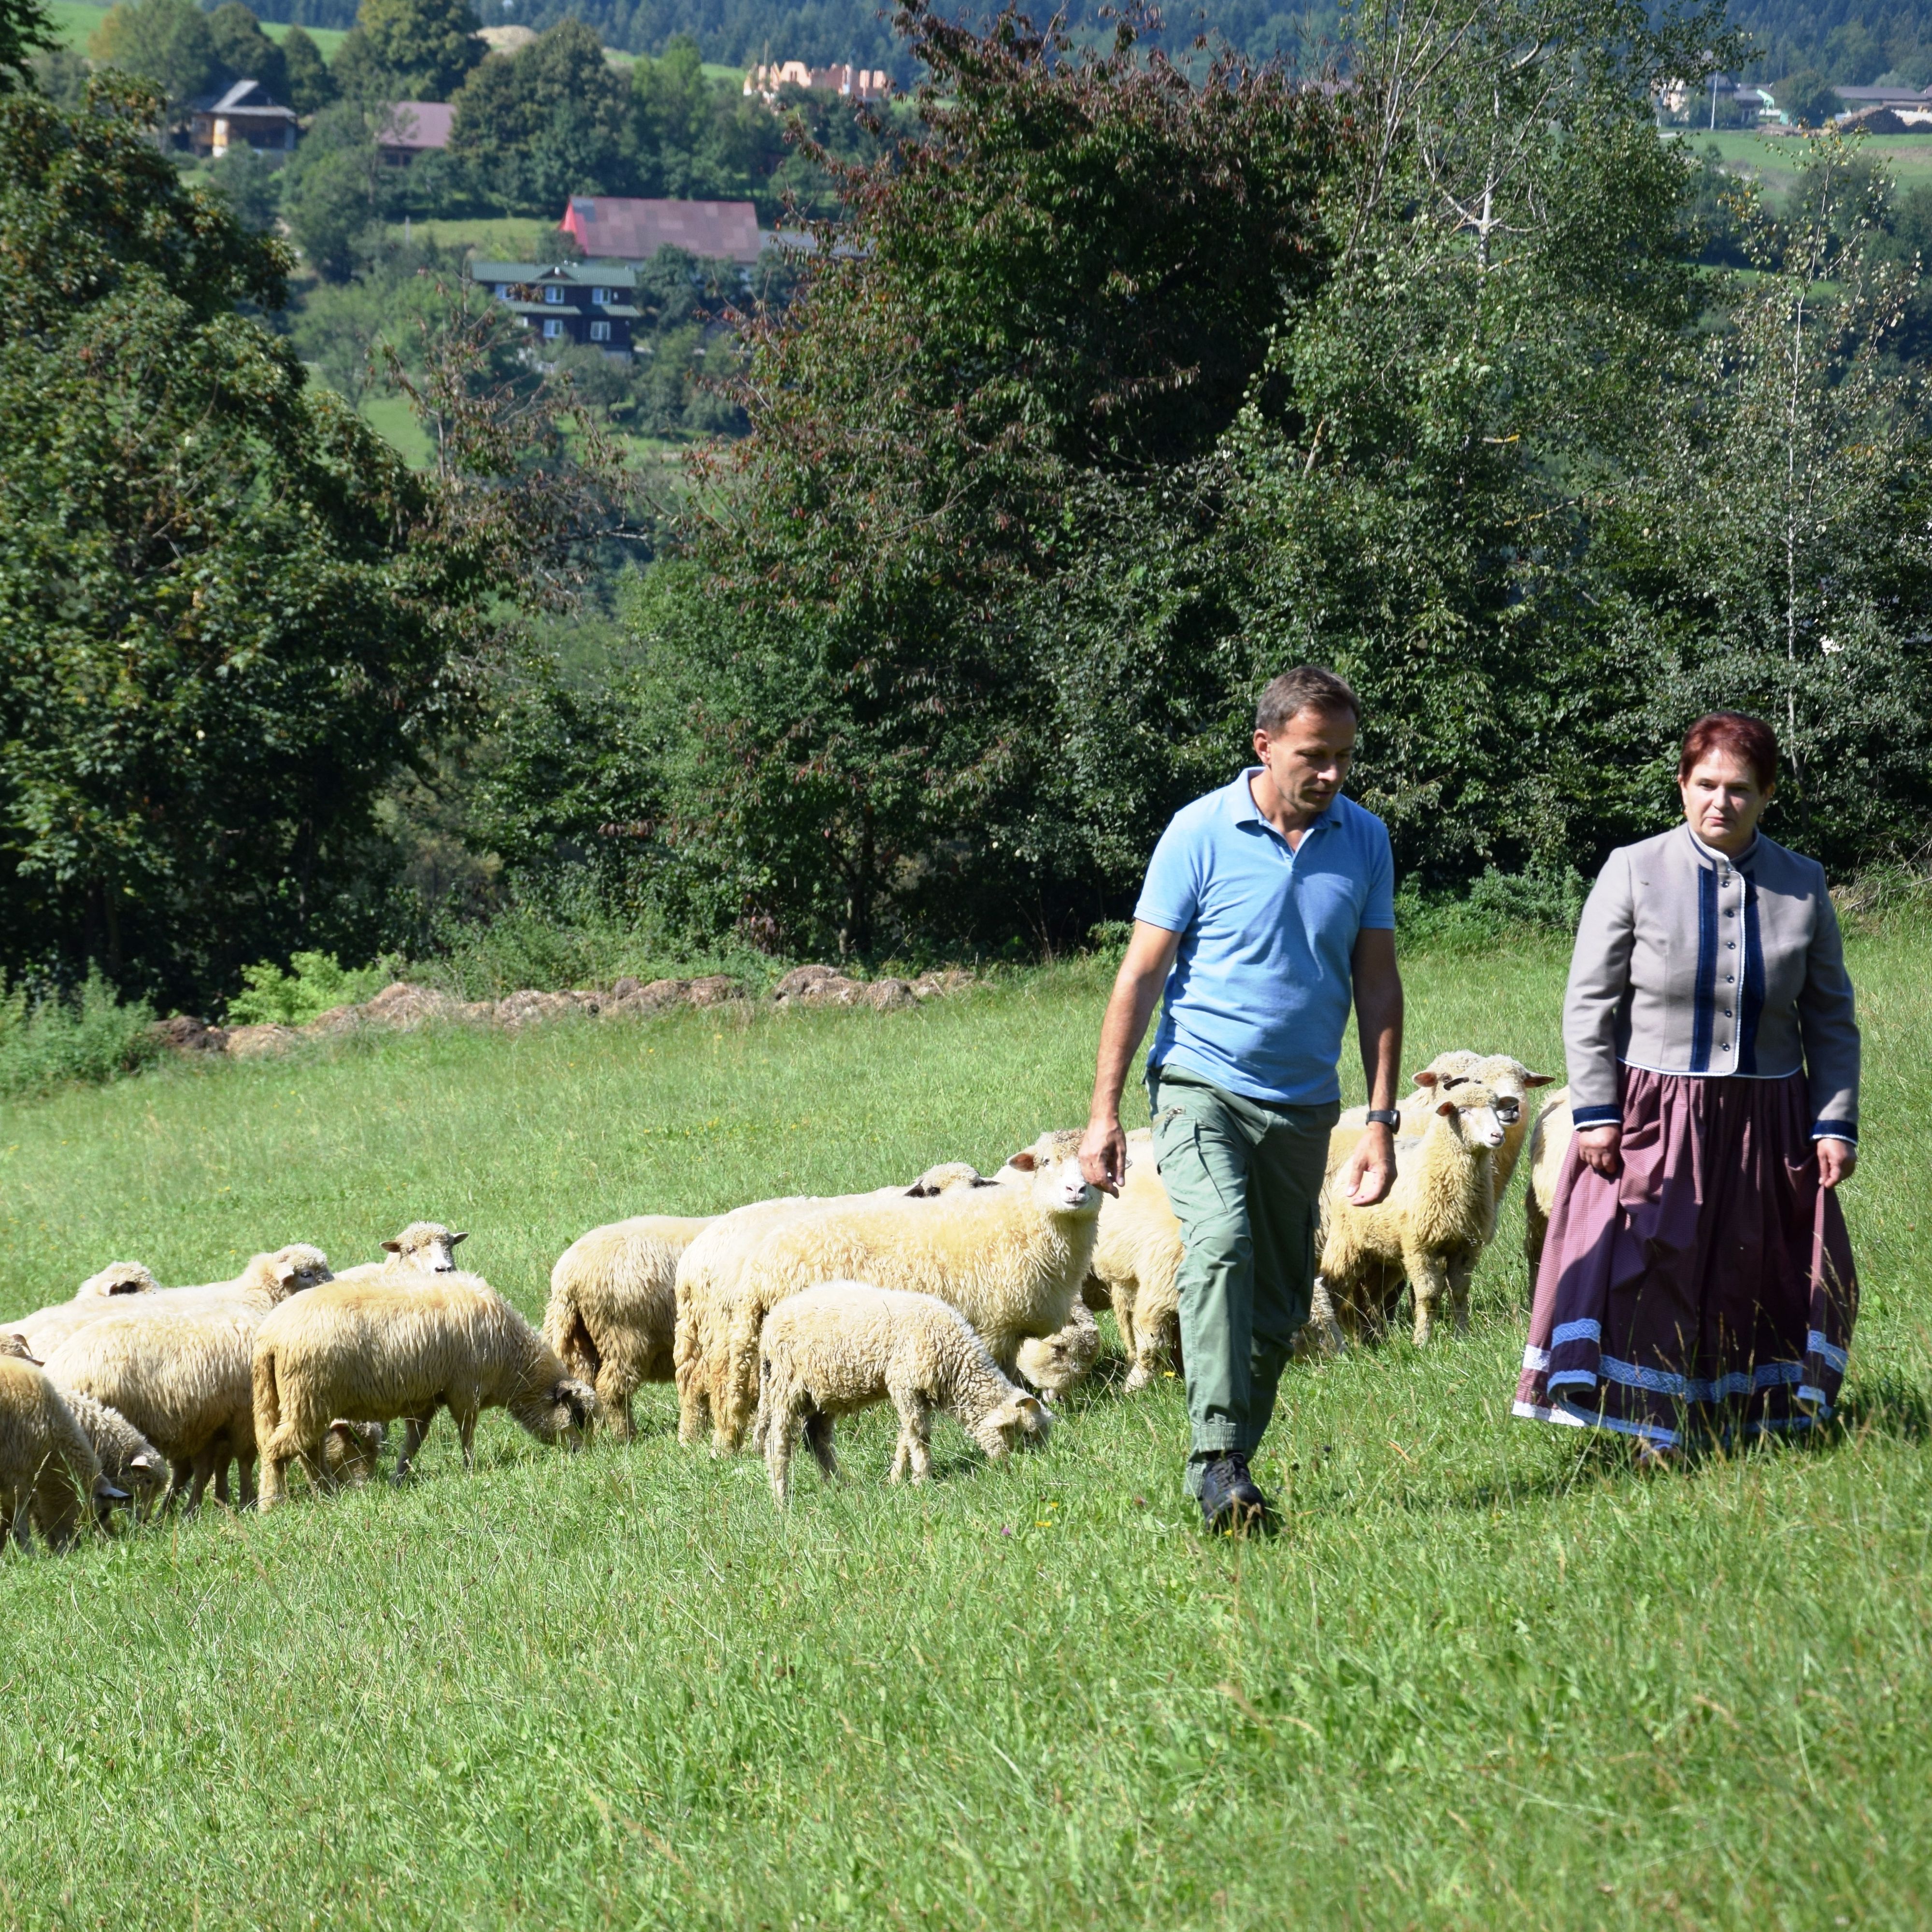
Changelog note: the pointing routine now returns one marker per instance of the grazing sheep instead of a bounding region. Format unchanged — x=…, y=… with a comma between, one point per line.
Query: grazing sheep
x=351, y=1452
x=176, y=1362
x=50, y=1475
x=1010, y=1258
x=1435, y=1221
x=1549, y=1141
x=1056, y=1363
x=127, y=1458
x=424, y=1248
x=50, y=1325
x=1137, y=1256
x=829, y=1351
x=612, y=1316
x=374, y=1351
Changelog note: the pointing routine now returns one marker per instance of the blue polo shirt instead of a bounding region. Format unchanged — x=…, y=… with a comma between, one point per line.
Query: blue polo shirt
x=1260, y=988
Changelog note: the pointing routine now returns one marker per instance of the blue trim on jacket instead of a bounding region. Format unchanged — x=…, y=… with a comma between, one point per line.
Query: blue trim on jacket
x=1706, y=985
x=1752, y=1003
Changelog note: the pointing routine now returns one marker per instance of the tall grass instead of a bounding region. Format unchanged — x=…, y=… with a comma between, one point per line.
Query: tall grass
x=1487, y=1675
x=54, y=1040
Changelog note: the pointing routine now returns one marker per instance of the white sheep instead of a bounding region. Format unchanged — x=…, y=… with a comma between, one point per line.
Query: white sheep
x=127, y=1458
x=117, y=1278
x=1507, y=1077
x=1056, y=1363
x=374, y=1351
x=1137, y=1257
x=424, y=1248
x=50, y=1478
x=1549, y=1141
x=612, y=1316
x=706, y=1287
x=178, y=1366
x=1435, y=1221
x=98, y=1293
x=1011, y=1259
x=845, y=1346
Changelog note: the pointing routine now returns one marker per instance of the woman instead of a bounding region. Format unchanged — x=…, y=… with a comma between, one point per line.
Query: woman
x=1697, y=1280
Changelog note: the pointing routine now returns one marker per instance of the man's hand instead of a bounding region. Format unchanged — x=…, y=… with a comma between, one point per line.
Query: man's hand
x=1836, y=1160
x=1601, y=1148
x=1370, y=1172
x=1103, y=1154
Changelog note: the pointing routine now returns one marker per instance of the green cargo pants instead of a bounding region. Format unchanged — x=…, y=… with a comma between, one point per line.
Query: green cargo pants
x=1245, y=1179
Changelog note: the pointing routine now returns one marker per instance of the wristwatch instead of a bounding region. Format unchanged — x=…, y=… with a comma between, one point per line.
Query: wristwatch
x=1384, y=1117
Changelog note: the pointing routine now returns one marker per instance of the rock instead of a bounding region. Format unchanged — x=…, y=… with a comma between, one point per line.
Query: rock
x=714, y=989
x=887, y=995
x=337, y=1019
x=183, y=1032
x=527, y=1007
x=800, y=981
x=934, y=986
x=627, y=988
x=256, y=1042
x=401, y=1005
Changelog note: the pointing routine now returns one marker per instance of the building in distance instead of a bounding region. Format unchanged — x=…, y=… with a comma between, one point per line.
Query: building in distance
x=413, y=128
x=594, y=303
x=627, y=228
x=243, y=116
x=854, y=83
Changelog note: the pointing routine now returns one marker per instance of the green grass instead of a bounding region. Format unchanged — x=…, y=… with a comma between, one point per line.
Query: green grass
x=329, y=39
x=391, y=417
x=504, y=238
x=1772, y=159
x=76, y=23
x=1485, y=1677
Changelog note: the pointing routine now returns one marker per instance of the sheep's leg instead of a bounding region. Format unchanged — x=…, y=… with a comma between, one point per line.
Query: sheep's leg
x=781, y=1439
x=245, y=1481
x=1429, y=1280
x=1461, y=1266
x=414, y=1428
x=1321, y=1317
x=913, y=1450
x=465, y=1431
x=614, y=1390
x=818, y=1426
x=19, y=1518
x=274, y=1473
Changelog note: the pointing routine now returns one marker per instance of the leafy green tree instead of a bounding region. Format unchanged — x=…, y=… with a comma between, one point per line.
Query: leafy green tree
x=545, y=123
x=335, y=191
x=61, y=74
x=25, y=30
x=409, y=50
x=1806, y=98
x=243, y=52
x=168, y=42
x=250, y=183
x=310, y=86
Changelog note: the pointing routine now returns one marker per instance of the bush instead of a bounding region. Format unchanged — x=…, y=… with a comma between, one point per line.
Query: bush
x=92, y=1036
x=315, y=983
x=1543, y=899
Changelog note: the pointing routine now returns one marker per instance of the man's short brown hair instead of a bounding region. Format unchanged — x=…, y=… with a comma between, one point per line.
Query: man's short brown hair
x=1305, y=686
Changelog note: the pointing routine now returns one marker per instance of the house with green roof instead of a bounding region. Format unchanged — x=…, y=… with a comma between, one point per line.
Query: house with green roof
x=591, y=302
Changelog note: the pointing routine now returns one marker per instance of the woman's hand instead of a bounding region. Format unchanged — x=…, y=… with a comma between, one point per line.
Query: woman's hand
x=1836, y=1160
x=1601, y=1148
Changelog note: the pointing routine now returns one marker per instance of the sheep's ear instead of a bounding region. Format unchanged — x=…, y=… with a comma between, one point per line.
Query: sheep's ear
x=454, y=1238
x=392, y=1247
x=1445, y=1106
x=1537, y=1079
x=1427, y=1077
x=1028, y=1404
x=285, y=1271
x=1024, y=1160
x=920, y=1191
x=142, y=1463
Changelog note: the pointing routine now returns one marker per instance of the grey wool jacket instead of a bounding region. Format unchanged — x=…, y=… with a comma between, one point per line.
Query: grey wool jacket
x=1690, y=962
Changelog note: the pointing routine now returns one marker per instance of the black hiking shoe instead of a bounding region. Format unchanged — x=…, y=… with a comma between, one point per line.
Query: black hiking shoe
x=1230, y=1502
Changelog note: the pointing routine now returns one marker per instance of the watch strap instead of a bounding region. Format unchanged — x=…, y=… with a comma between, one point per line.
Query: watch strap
x=1384, y=1117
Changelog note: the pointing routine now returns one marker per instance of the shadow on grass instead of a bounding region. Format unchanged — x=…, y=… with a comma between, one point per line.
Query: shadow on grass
x=1887, y=1405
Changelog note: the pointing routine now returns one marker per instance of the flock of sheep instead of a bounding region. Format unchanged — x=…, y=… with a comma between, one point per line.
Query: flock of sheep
x=966, y=1293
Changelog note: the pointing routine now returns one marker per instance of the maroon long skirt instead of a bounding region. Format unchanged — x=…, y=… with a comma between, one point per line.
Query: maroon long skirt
x=1708, y=1290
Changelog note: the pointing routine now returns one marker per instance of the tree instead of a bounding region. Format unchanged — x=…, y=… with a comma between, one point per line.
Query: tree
x=168, y=42
x=310, y=86
x=334, y=190
x=250, y=183
x=25, y=30
x=1806, y=98
x=409, y=50
x=548, y=122
x=243, y=52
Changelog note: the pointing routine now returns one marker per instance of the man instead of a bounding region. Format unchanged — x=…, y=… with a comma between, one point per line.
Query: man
x=1269, y=905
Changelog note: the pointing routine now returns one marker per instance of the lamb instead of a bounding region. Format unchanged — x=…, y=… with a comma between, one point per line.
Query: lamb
x=423, y=1249
x=374, y=1351
x=843, y=1346
x=50, y=1478
x=1437, y=1218
x=1509, y=1079
x=94, y=1296
x=1549, y=1141
x=117, y=1278
x=127, y=1458
x=1137, y=1256
x=178, y=1367
x=1056, y=1363
x=1010, y=1258
x=612, y=1316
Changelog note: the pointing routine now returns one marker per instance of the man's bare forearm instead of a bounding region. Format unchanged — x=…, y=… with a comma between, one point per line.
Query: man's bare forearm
x=1378, y=1015
x=1128, y=1009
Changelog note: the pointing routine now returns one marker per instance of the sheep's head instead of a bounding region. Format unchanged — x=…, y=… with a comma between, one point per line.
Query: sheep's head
x=15, y=1346
x=1056, y=1362
x=1506, y=1077
x=561, y=1410
x=424, y=1247
x=350, y=1451
x=1020, y=1417
x=146, y=1475
x=1476, y=1113
x=106, y=1495
x=290, y=1271
x=1053, y=1166
x=944, y=1178
x=117, y=1278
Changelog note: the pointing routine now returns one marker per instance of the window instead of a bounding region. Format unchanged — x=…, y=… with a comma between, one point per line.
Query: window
x=503, y=292
x=600, y=296
x=552, y=327
x=553, y=293
x=600, y=332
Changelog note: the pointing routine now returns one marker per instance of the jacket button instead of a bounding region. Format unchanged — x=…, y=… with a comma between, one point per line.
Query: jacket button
x=1727, y=1013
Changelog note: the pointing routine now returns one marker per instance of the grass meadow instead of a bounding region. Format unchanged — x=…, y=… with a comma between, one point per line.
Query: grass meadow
x=1487, y=1674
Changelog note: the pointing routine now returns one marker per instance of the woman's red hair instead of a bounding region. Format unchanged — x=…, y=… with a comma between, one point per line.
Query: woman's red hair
x=1736, y=733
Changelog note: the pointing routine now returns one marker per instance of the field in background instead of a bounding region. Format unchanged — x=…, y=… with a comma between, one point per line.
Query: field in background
x=76, y=21
x=1487, y=1675
x=1772, y=159
x=496, y=239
